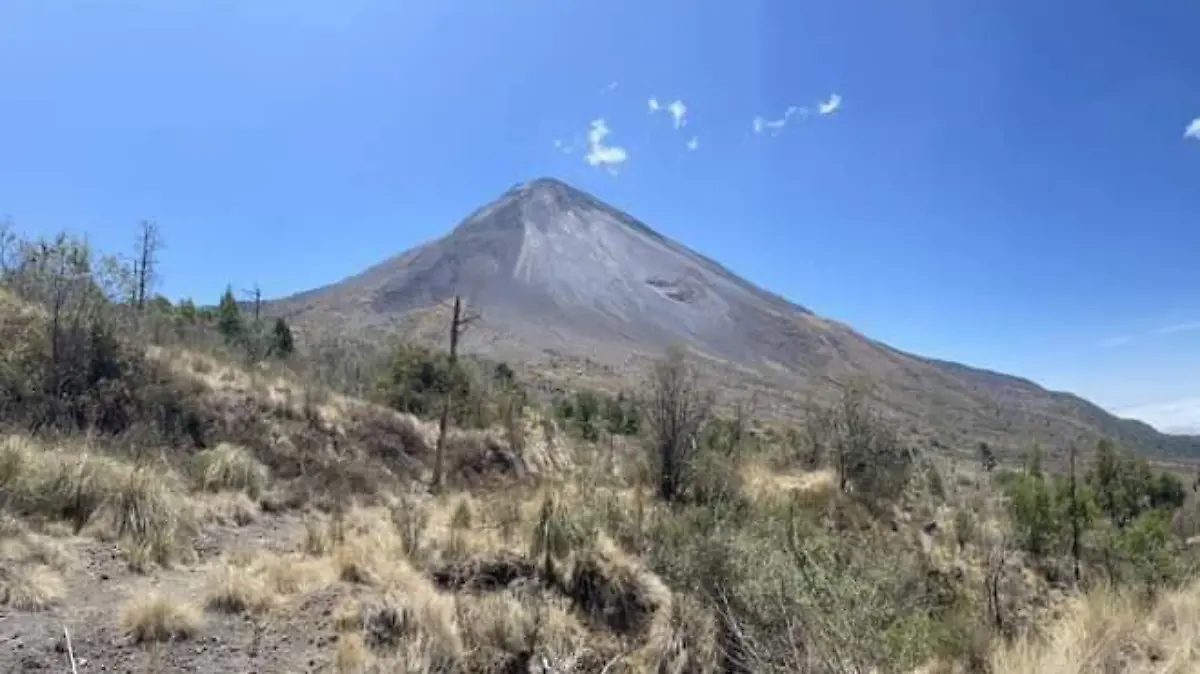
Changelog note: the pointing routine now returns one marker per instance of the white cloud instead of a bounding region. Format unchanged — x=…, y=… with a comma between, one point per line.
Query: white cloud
x=830, y=106
x=1174, y=416
x=676, y=108
x=775, y=126
x=608, y=157
x=693, y=144
x=609, y=89
x=1193, y=129
x=678, y=113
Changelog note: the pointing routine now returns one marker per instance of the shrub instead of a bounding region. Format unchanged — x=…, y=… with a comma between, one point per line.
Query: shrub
x=676, y=410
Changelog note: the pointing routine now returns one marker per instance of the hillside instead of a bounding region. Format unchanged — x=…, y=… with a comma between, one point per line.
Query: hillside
x=562, y=278
x=175, y=500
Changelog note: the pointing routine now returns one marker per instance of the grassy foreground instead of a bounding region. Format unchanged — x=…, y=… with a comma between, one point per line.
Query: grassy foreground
x=182, y=490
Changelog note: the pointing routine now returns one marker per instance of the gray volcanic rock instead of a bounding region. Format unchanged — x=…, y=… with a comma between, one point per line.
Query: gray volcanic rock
x=554, y=270
x=549, y=254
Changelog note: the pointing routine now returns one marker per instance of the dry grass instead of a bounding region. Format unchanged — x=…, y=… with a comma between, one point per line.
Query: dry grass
x=141, y=505
x=351, y=655
x=228, y=467
x=154, y=618
x=225, y=508
x=233, y=589
x=764, y=484
x=1105, y=632
x=31, y=587
x=262, y=581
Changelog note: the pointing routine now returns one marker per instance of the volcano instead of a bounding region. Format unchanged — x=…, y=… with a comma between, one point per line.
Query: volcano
x=558, y=274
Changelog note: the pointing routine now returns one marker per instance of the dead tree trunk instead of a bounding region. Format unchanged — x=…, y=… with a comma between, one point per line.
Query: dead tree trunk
x=458, y=323
x=1076, y=517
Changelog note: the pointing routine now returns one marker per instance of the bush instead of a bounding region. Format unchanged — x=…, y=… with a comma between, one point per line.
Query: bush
x=676, y=410
x=418, y=380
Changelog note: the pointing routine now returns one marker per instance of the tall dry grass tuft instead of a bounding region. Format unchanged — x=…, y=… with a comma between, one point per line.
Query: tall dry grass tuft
x=229, y=467
x=141, y=505
x=153, y=618
x=234, y=589
x=149, y=511
x=31, y=587
x=351, y=655
x=1104, y=632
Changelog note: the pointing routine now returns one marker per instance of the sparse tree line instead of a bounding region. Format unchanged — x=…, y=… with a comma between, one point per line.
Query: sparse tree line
x=1121, y=521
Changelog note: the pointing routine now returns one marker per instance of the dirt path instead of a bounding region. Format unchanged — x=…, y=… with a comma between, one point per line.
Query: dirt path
x=98, y=582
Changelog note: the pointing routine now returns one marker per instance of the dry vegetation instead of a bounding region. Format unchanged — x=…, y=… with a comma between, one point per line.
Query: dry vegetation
x=173, y=489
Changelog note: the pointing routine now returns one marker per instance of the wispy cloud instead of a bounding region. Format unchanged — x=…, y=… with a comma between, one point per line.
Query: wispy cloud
x=1113, y=342
x=1173, y=329
x=1172, y=416
x=1193, y=129
x=693, y=144
x=830, y=106
x=775, y=126
x=610, y=88
x=566, y=147
x=678, y=113
x=608, y=157
x=1190, y=326
x=676, y=108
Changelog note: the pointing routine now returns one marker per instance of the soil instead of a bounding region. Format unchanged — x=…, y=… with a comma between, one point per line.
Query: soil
x=99, y=581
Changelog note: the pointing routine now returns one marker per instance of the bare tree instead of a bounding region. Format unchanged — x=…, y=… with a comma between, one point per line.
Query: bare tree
x=678, y=407
x=1075, y=514
x=458, y=324
x=255, y=295
x=993, y=580
x=868, y=455
x=145, y=262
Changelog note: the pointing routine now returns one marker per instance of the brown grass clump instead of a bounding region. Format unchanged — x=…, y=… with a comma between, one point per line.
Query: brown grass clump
x=1106, y=632
x=616, y=591
x=31, y=587
x=229, y=467
x=234, y=589
x=290, y=574
x=513, y=628
x=149, y=512
x=154, y=618
x=417, y=615
x=138, y=504
x=259, y=582
x=351, y=656
x=234, y=508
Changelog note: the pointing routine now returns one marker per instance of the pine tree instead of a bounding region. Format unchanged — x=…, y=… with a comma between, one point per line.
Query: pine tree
x=187, y=311
x=229, y=317
x=282, y=343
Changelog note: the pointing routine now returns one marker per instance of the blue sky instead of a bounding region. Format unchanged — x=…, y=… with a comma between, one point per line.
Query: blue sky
x=1007, y=184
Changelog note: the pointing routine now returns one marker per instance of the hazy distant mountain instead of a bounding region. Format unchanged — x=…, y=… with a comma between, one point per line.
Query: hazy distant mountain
x=556, y=271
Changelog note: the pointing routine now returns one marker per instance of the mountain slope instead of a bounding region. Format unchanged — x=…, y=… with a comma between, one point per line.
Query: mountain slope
x=555, y=271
